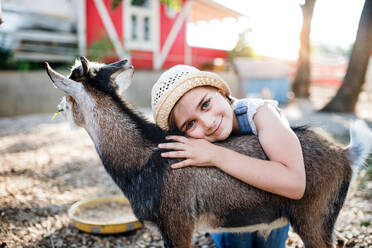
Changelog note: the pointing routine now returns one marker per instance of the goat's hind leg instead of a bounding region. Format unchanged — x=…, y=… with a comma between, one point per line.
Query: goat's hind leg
x=314, y=235
x=319, y=228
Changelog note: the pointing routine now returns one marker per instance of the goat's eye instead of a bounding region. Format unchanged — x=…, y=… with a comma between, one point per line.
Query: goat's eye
x=205, y=105
x=190, y=124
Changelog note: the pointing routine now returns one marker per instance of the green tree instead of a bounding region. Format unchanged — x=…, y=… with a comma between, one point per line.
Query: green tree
x=242, y=47
x=174, y=4
x=347, y=95
x=301, y=82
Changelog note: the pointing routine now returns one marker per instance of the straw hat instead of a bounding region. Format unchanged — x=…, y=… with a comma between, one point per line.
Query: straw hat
x=174, y=83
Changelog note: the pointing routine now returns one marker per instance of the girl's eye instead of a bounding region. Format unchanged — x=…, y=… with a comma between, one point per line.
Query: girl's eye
x=205, y=104
x=190, y=124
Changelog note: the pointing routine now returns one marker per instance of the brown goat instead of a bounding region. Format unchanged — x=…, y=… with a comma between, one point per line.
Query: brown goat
x=181, y=201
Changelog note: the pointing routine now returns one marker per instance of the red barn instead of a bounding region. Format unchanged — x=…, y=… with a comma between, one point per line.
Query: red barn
x=150, y=33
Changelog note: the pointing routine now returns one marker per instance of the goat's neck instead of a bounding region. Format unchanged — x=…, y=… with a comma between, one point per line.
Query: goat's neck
x=117, y=137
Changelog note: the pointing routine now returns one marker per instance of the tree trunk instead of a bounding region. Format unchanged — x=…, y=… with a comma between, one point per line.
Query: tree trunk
x=1, y=20
x=301, y=82
x=347, y=95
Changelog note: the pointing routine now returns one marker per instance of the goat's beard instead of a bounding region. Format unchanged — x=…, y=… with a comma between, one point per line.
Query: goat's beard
x=67, y=113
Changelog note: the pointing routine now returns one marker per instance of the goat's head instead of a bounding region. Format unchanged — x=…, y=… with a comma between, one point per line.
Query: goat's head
x=86, y=85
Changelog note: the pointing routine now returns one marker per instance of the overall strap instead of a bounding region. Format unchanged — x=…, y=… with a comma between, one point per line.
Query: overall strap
x=241, y=115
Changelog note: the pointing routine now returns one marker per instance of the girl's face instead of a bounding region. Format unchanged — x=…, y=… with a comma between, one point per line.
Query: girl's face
x=203, y=113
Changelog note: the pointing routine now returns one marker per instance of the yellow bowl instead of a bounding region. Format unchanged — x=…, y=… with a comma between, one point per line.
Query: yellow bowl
x=98, y=227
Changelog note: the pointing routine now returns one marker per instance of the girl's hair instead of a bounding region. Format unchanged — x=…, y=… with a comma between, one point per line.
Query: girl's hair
x=171, y=121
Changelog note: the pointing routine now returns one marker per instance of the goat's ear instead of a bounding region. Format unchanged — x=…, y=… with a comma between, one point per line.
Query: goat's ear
x=63, y=83
x=84, y=64
x=123, y=79
x=121, y=73
x=116, y=67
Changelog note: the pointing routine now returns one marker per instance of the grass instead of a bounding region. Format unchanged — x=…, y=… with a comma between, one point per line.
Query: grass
x=8, y=63
x=365, y=223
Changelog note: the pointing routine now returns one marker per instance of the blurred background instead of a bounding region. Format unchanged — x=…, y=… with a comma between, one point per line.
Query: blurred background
x=254, y=45
x=312, y=56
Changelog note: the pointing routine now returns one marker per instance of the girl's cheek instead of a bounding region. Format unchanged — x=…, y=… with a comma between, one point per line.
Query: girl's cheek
x=196, y=133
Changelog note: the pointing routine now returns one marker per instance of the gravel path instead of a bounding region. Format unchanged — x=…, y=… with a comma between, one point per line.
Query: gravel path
x=45, y=167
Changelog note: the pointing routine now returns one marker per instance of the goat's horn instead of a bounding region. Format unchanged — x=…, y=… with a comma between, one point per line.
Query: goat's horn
x=84, y=63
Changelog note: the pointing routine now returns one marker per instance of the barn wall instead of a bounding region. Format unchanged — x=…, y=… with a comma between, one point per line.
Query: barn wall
x=177, y=52
x=96, y=36
x=204, y=56
x=95, y=29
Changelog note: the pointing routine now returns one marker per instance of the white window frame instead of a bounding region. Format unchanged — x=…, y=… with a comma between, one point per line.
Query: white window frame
x=140, y=43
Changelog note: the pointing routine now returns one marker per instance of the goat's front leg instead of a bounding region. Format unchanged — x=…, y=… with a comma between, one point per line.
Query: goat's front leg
x=176, y=230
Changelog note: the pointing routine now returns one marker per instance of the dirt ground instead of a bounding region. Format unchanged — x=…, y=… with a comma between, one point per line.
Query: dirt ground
x=45, y=167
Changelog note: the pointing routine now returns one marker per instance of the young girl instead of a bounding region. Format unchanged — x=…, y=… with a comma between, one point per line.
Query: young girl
x=199, y=103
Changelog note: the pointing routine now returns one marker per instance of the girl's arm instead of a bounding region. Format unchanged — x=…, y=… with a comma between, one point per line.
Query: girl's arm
x=284, y=174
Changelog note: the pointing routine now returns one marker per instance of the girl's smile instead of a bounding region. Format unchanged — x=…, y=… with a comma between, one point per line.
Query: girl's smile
x=204, y=113
x=216, y=131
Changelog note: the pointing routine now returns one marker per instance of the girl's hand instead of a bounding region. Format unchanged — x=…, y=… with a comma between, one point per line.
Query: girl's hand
x=196, y=152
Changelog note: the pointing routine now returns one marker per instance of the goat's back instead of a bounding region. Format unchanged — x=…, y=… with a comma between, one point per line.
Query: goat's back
x=209, y=190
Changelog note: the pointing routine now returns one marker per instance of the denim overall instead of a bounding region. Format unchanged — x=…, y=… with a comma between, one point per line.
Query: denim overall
x=277, y=237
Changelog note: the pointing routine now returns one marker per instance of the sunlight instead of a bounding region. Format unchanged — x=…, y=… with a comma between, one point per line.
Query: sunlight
x=335, y=22
x=276, y=26
x=218, y=34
